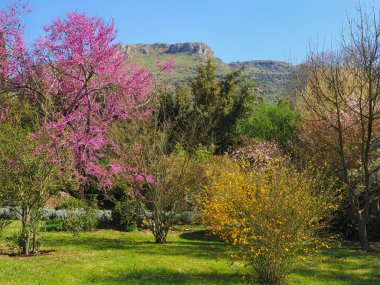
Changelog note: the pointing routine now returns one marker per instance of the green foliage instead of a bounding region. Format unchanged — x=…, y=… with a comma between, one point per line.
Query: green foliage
x=15, y=241
x=273, y=78
x=175, y=110
x=28, y=177
x=205, y=112
x=202, y=153
x=3, y=224
x=54, y=225
x=127, y=214
x=164, y=185
x=72, y=203
x=218, y=104
x=271, y=122
x=130, y=228
x=80, y=215
x=29, y=237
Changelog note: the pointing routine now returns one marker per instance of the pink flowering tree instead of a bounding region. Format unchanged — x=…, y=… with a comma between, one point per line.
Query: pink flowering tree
x=12, y=47
x=80, y=83
x=98, y=86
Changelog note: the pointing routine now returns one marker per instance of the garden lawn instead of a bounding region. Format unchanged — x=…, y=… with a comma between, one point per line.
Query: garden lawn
x=112, y=257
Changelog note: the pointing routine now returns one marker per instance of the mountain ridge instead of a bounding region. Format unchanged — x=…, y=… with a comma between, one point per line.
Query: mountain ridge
x=185, y=47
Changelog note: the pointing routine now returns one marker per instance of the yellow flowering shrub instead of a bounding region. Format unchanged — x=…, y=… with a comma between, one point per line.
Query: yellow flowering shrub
x=271, y=216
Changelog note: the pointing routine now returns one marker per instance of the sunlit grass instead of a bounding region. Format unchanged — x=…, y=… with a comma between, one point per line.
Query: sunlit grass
x=112, y=257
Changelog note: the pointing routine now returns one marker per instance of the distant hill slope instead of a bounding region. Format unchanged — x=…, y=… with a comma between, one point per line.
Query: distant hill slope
x=272, y=77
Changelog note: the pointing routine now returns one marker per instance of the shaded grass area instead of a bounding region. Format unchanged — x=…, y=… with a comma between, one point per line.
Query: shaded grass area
x=344, y=265
x=190, y=257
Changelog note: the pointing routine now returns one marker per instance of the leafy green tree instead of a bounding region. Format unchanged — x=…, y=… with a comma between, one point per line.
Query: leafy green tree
x=176, y=107
x=271, y=122
x=28, y=175
x=218, y=104
x=205, y=111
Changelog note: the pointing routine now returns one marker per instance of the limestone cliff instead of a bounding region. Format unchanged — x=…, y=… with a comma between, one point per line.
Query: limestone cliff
x=188, y=47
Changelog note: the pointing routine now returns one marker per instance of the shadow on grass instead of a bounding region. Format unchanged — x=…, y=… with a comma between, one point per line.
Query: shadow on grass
x=347, y=265
x=165, y=276
x=194, y=244
x=202, y=235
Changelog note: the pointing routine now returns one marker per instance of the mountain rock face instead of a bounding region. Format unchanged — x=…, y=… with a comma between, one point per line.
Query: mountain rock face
x=189, y=48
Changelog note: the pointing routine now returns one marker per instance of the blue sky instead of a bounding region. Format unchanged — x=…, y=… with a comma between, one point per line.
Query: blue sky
x=235, y=29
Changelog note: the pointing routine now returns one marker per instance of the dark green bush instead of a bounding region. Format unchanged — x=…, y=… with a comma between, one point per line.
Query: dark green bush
x=127, y=214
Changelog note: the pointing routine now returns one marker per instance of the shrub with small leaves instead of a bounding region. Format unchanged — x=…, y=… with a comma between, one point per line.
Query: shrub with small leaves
x=128, y=214
x=80, y=215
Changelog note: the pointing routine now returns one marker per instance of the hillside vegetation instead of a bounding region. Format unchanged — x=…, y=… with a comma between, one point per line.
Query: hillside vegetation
x=272, y=77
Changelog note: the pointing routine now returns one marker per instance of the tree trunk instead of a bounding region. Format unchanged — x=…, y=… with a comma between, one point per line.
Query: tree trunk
x=160, y=233
x=34, y=242
x=364, y=243
x=161, y=238
x=25, y=238
x=362, y=223
x=159, y=229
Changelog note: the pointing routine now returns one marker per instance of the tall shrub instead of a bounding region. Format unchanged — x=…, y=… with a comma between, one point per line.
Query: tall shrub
x=271, y=216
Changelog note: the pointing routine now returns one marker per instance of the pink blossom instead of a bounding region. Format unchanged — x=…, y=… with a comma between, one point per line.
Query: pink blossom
x=116, y=168
x=139, y=177
x=167, y=66
x=38, y=150
x=149, y=179
x=77, y=65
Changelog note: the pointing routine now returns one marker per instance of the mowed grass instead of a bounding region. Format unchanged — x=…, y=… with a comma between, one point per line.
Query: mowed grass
x=190, y=257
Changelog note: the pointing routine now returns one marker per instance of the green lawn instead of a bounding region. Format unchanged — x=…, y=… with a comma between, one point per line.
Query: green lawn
x=112, y=257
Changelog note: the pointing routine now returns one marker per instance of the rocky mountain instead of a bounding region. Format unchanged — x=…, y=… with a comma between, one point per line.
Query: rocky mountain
x=189, y=48
x=272, y=77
